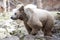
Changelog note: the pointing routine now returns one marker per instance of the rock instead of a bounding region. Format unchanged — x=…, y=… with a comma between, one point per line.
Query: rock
x=31, y=37
x=39, y=36
x=57, y=24
x=52, y=38
x=2, y=33
x=56, y=28
x=57, y=34
x=58, y=13
x=28, y=37
x=58, y=16
x=11, y=38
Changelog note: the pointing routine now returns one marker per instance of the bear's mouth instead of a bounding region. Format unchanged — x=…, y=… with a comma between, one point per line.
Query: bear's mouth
x=21, y=18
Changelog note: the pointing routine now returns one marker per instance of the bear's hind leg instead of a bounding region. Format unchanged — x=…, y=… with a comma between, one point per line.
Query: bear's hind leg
x=47, y=32
x=47, y=29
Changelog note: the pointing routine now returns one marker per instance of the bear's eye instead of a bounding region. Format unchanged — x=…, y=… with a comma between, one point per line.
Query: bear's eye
x=15, y=13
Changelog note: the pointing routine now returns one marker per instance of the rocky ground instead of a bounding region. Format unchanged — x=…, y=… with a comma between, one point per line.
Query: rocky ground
x=15, y=30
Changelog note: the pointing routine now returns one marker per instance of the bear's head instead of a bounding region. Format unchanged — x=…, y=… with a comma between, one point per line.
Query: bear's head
x=18, y=13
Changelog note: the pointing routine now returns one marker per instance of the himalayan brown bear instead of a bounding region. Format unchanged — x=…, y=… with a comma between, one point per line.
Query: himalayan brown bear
x=34, y=19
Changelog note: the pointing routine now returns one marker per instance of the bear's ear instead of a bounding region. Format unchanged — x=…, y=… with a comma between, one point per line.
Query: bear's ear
x=21, y=9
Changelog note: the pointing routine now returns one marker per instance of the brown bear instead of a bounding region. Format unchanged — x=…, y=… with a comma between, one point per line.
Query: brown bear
x=34, y=19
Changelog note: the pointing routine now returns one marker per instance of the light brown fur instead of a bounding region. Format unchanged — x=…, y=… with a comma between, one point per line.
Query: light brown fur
x=36, y=20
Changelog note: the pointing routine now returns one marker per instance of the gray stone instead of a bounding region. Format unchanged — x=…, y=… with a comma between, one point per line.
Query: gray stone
x=11, y=38
x=56, y=28
x=28, y=37
x=52, y=38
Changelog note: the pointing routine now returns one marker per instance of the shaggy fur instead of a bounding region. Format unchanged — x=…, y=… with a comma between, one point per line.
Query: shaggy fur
x=35, y=19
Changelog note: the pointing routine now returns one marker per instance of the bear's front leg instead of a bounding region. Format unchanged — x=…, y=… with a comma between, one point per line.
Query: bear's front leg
x=27, y=27
x=34, y=31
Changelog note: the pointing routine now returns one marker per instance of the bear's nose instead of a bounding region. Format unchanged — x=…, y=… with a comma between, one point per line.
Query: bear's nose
x=11, y=17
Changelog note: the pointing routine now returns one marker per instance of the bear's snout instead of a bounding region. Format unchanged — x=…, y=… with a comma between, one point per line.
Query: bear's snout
x=13, y=18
